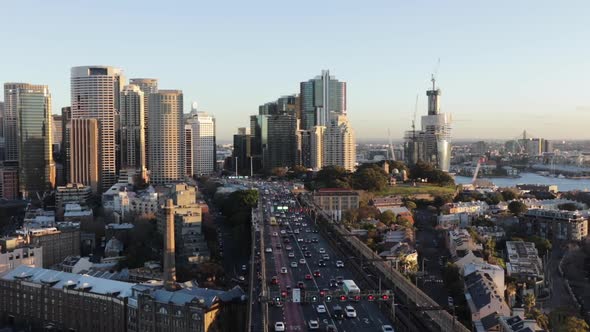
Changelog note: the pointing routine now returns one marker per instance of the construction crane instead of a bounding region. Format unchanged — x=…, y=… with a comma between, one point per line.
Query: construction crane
x=390, y=145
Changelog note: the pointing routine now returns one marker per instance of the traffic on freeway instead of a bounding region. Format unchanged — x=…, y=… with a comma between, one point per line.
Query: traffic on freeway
x=310, y=288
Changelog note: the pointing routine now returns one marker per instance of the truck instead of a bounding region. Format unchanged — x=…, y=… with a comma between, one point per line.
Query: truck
x=350, y=288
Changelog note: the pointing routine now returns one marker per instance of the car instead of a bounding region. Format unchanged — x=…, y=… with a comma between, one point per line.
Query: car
x=296, y=231
x=288, y=248
x=307, y=240
x=275, y=234
x=300, y=284
x=315, y=230
x=283, y=232
x=299, y=239
x=280, y=327
x=274, y=280
x=321, y=262
x=308, y=277
x=307, y=254
x=333, y=283
x=339, y=264
x=337, y=312
x=451, y=301
x=340, y=280
x=241, y=278
x=302, y=261
x=287, y=241
x=326, y=257
x=291, y=255
x=278, y=304
x=317, y=274
x=303, y=247
x=258, y=253
x=322, y=251
x=314, y=240
x=283, y=270
x=321, y=309
x=387, y=328
x=279, y=246
x=269, y=249
x=307, y=230
x=313, y=324
x=350, y=311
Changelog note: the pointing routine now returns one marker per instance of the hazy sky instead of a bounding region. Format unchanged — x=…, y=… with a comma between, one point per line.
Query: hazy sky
x=505, y=65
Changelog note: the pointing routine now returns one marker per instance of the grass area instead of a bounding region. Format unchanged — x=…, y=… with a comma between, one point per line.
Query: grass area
x=408, y=190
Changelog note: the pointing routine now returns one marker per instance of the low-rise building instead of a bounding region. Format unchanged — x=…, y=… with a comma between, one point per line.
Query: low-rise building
x=494, y=271
x=76, y=213
x=554, y=224
x=551, y=204
x=525, y=266
x=459, y=242
x=454, y=220
x=57, y=242
x=537, y=187
x=472, y=208
x=485, y=301
x=336, y=201
x=15, y=252
x=71, y=193
x=402, y=255
x=518, y=323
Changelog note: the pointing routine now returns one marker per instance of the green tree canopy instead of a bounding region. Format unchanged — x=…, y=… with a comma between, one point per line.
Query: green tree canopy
x=568, y=206
x=333, y=177
x=410, y=205
x=387, y=217
x=574, y=324
x=509, y=194
x=369, y=177
x=422, y=170
x=517, y=207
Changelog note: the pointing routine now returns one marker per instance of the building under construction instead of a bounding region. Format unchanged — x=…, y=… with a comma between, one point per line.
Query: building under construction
x=432, y=143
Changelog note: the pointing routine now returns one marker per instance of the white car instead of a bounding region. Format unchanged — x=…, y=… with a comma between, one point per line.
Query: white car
x=275, y=234
x=269, y=249
x=339, y=264
x=291, y=255
x=321, y=309
x=294, y=264
x=302, y=261
x=322, y=251
x=279, y=327
x=283, y=232
x=350, y=311
x=313, y=324
x=283, y=270
x=387, y=328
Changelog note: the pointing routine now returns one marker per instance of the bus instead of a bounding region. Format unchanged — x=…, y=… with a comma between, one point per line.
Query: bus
x=350, y=288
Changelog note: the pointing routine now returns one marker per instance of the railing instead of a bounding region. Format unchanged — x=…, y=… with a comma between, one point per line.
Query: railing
x=444, y=320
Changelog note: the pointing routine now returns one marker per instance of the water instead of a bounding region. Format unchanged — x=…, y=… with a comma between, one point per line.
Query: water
x=532, y=178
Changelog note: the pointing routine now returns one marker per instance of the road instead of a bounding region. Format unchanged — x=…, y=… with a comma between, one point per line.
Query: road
x=296, y=316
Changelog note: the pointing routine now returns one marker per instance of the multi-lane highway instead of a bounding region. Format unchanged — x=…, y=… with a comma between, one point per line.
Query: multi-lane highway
x=297, y=256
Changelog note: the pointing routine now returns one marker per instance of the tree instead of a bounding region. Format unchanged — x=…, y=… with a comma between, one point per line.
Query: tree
x=494, y=198
x=369, y=177
x=568, y=206
x=529, y=301
x=543, y=245
x=298, y=171
x=541, y=319
x=410, y=205
x=387, y=217
x=422, y=170
x=574, y=324
x=441, y=200
x=517, y=207
x=333, y=177
x=509, y=194
x=351, y=216
x=279, y=172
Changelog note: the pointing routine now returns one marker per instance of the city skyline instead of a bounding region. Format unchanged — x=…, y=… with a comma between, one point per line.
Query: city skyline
x=497, y=60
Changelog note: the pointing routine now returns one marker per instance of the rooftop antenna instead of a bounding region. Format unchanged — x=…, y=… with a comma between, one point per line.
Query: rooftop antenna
x=434, y=74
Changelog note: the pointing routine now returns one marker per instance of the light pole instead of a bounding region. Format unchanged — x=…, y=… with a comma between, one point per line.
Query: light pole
x=251, y=168
x=236, y=166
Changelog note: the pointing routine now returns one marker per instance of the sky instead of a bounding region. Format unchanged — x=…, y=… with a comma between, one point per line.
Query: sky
x=505, y=66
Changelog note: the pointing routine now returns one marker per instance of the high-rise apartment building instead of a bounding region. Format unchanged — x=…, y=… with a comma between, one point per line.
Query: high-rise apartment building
x=166, y=132
x=316, y=147
x=56, y=133
x=203, y=144
x=84, y=161
x=95, y=92
x=132, y=119
x=339, y=143
x=32, y=106
x=188, y=150
x=319, y=97
x=2, y=147
x=147, y=86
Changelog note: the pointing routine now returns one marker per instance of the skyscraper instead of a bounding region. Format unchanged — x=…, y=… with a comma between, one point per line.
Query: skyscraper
x=56, y=132
x=188, y=150
x=339, y=144
x=281, y=147
x=132, y=128
x=203, y=144
x=147, y=86
x=436, y=127
x=84, y=160
x=95, y=92
x=2, y=131
x=319, y=97
x=31, y=104
x=66, y=117
x=166, y=132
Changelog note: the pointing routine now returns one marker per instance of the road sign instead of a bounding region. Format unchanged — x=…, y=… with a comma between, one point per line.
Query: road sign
x=296, y=295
